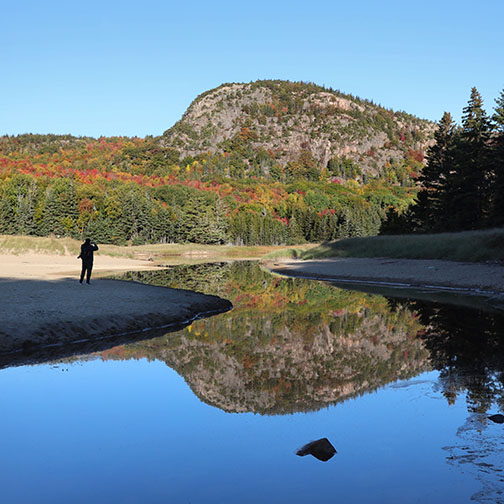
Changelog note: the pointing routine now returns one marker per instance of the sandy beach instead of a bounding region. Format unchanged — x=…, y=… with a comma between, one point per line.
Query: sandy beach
x=42, y=303
x=475, y=278
x=54, y=267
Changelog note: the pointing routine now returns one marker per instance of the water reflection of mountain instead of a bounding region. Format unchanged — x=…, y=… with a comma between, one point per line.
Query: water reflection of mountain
x=288, y=345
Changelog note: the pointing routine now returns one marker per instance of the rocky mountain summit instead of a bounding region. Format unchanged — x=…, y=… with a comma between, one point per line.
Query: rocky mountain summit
x=286, y=120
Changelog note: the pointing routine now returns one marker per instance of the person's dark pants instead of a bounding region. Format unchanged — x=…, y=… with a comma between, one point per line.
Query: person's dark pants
x=86, y=270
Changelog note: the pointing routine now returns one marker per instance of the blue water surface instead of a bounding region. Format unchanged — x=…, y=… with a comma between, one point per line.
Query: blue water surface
x=133, y=431
x=215, y=413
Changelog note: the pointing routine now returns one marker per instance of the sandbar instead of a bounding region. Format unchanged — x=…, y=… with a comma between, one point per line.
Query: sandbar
x=43, y=305
x=472, y=278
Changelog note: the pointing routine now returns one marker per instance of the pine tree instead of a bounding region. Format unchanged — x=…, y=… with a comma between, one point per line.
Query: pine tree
x=430, y=212
x=135, y=214
x=498, y=162
x=7, y=211
x=27, y=199
x=60, y=211
x=295, y=232
x=470, y=182
x=218, y=228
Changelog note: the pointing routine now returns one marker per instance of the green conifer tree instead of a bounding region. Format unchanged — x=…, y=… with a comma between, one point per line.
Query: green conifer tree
x=498, y=162
x=430, y=213
x=60, y=211
x=470, y=182
x=26, y=199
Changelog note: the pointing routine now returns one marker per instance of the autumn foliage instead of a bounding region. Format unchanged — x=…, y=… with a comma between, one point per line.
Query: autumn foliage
x=121, y=190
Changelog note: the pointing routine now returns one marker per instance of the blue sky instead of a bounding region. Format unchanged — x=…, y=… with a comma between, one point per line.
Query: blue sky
x=132, y=68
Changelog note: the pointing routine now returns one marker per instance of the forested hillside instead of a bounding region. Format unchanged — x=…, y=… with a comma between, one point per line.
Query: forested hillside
x=266, y=163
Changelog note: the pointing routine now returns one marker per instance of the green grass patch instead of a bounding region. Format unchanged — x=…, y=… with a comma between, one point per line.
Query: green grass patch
x=289, y=252
x=472, y=246
x=47, y=245
x=160, y=253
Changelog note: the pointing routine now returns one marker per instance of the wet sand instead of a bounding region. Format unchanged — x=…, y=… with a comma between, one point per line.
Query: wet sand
x=42, y=303
x=475, y=278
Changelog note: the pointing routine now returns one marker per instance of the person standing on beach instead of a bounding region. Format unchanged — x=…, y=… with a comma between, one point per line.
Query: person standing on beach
x=86, y=254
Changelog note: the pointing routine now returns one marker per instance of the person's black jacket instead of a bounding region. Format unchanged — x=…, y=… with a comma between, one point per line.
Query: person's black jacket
x=86, y=251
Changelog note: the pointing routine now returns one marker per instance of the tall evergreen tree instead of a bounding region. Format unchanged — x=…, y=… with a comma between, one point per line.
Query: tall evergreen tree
x=60, y=212
x=136, y=213
x=430, y=214
x=26, y=203
x=498, y=162
x=470, y=183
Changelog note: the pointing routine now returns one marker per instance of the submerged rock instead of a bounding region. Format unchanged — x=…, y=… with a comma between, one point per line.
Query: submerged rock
x=321, y=449
x=498, y=418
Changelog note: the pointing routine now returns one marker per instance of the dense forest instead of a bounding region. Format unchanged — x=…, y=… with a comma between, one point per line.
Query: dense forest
x=463, y=181
x=120, y=190
x=131, y=190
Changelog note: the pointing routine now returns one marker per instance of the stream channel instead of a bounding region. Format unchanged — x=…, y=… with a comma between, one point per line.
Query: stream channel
x=401, y=385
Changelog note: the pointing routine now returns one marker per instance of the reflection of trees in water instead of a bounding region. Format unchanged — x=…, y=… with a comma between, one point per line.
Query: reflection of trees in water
x=288, y=345
x=467, y=347
x=480, y=452
x=293, y=345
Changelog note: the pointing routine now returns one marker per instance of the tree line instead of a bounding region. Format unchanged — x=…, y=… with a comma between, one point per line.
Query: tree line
x=462, y=185
x=241, y=212
x=130, y=190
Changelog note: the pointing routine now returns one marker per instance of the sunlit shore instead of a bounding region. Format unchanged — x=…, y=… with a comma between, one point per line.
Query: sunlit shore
x=42, y=303
x=476, y=278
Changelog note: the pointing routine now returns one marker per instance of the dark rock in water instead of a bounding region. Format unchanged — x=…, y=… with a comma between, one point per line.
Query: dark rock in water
x=321, y=449
x=497, y=418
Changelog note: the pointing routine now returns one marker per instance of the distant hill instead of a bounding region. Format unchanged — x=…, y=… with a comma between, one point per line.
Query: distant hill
x=269, y=162
x=277, y=122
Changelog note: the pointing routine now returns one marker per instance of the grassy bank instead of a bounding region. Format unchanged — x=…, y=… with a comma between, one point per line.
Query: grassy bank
x=160, y=252
x=472, y=246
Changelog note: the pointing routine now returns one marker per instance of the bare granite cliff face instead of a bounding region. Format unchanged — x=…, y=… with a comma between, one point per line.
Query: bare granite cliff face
x=286, y=119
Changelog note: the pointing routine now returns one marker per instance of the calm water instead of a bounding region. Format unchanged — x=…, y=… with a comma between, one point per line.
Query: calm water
x=214, y=413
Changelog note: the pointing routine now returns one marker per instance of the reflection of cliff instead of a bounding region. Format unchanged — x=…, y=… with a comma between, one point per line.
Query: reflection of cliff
x=288, y=345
